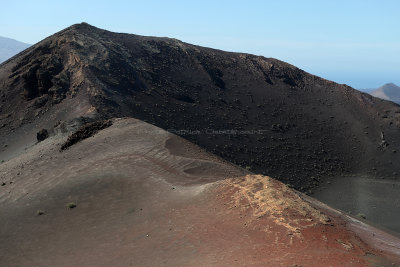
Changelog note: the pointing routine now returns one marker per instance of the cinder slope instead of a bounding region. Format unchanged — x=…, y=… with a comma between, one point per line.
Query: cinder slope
x=256, y=112
x=388, y=91
x=148, y=198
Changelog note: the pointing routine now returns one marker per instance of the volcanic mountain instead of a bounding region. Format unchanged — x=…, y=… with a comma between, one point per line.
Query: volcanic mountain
x=10, y=47
x=389, y=91
x=79, y=185
x=260, y=113
x=136, y=195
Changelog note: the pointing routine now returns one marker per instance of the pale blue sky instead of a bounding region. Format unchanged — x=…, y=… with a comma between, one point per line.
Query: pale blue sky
x=353, y=42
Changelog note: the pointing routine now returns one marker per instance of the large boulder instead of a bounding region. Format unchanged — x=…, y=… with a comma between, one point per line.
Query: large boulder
x=42, y=135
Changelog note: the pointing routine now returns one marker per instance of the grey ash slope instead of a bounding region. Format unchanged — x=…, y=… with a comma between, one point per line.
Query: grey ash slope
x=10, y=47
x=145, y=197
x=389, y=91
x=301, y=128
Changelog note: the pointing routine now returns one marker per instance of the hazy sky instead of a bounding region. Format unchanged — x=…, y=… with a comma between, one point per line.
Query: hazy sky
x=353, y=42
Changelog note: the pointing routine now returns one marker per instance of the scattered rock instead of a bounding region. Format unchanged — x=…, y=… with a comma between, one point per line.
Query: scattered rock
x=71, y=205
x=362, y=216
x=40, y=212
x=42, y=135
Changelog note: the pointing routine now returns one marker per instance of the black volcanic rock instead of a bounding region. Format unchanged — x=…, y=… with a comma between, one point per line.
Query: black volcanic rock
x=86, y=131
x=42, y=135
x=257, y=112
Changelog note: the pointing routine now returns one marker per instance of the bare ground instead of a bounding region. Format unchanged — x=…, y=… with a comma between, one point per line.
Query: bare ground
x=145, y=197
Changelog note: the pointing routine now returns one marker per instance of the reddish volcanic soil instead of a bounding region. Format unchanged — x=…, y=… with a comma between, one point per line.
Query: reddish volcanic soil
x=145, y=197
